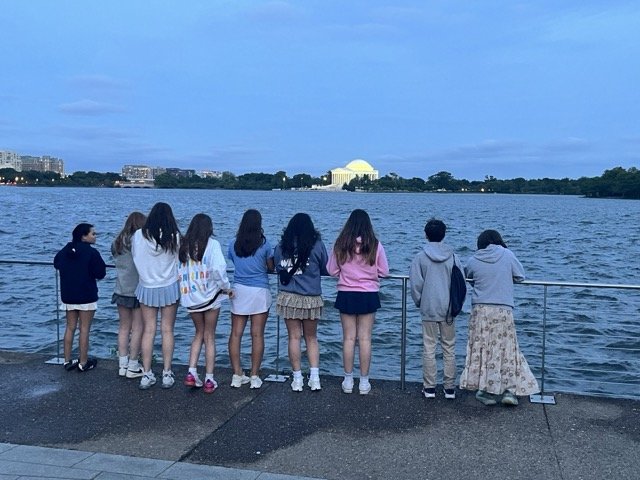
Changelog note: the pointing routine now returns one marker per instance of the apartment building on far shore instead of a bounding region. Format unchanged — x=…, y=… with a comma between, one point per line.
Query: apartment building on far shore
x=24, y=163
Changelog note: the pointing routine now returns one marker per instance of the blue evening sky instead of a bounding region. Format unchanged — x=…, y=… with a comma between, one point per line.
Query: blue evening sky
x=504, y=88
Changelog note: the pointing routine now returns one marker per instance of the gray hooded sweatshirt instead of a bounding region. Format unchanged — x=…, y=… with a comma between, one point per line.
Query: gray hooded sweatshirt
x=492, y=272
x=430, y=279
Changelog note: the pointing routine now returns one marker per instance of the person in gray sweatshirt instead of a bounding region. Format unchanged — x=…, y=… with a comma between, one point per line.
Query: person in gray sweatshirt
x=430, y=279
x=494, y=366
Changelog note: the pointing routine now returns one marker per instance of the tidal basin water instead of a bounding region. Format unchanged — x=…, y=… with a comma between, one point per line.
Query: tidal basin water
x=593, y=335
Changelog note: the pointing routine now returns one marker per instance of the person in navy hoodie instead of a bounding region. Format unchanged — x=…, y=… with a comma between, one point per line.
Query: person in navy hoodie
x=80, y=267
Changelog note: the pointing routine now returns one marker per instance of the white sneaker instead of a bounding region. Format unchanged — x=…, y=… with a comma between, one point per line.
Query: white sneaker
x=147, y=381
x=122, y=368
x=238, y=380
x=314, y=384
x=122, y=371
x=134, y=371
x=255, y=382
x=297, y=384
x=347, y=385
x=167, y=379
x=364, y=388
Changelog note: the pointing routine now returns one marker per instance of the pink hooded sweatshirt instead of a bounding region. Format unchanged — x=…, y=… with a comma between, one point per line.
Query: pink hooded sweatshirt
x=356, y=275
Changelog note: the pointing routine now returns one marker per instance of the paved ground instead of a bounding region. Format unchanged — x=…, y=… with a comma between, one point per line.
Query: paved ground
x=57, y=424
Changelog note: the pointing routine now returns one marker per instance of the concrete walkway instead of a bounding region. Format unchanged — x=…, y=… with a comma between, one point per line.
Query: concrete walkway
x=57, y=424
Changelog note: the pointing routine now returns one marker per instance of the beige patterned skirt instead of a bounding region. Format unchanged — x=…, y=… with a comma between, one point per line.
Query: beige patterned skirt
x=494, y=362
x=302, y=307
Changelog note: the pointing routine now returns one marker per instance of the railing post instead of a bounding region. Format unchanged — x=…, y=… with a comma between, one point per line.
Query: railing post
x=541, y=397
x=57, y=360
x=276, y=377
x=403, y=339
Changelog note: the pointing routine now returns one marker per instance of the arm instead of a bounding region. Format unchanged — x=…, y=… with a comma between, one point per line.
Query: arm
x=97, y=266
x=517, y=270
x=324, y=258
x=416, y=280
x=381, y=262
x=332, y=265
x=219, y=266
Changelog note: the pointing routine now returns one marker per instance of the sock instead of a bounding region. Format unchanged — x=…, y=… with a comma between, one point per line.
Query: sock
x=193, y=371
x=133, y=365
x=364, y=379
x=314, y=372
x=123, y=361
x=208, y=376
x=348, y=375
x=297, y=375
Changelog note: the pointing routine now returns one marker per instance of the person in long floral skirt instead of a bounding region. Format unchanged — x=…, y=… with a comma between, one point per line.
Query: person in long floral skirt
x=494, y=365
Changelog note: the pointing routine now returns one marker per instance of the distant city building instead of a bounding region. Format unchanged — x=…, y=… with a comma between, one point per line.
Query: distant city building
x=180, y=172
x=10, y=160
x=356, y=168
x=209, y=174
x=137, y=172
x=42, y=164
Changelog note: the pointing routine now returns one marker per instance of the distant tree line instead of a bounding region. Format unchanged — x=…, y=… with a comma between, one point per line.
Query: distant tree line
x=615, y=183
x=34, y=178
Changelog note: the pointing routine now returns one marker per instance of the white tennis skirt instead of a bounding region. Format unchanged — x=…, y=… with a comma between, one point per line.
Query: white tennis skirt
x=250, y=300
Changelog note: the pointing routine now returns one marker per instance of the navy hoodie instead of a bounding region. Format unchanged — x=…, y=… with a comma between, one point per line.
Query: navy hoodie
x=80, y=267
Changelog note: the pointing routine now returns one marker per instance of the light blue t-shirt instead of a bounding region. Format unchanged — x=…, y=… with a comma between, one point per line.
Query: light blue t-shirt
x=251, y=271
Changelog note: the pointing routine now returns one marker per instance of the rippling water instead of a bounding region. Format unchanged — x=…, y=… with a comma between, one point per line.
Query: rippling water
x=593, y=334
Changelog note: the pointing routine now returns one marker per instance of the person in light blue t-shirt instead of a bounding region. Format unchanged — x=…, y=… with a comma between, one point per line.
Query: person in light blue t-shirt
x=252, y=257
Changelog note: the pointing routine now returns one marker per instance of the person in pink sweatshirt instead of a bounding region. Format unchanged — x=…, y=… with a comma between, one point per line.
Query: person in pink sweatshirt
x=358, y=260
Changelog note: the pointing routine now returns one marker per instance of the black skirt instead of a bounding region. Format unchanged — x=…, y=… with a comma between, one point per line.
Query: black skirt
x=357, y=303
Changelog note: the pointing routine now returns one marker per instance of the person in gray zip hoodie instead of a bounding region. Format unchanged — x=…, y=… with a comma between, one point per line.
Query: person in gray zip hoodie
x=494, y=365
x=430, y=279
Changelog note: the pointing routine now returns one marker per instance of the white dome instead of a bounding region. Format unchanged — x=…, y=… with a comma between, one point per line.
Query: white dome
x=359, y=166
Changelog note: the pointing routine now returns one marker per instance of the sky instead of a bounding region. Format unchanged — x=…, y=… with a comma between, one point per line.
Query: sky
x=509, y=89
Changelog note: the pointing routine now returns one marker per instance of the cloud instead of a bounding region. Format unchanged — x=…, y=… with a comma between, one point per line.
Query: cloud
x=89, y=108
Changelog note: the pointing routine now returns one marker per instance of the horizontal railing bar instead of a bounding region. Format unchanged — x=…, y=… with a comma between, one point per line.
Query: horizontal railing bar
x=401, y=277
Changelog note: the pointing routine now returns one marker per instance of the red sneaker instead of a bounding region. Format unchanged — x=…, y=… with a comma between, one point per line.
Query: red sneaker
x=210, y=386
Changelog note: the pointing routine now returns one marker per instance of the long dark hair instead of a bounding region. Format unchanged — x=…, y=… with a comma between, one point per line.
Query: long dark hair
x=161, y=226
x=299, y=237
x=194, y=243
x=490, y=237
x=134, y=221
x=358, y=225
x=250, y=235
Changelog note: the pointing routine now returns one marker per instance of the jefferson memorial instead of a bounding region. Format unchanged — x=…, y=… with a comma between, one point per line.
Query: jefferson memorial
x=354, y=169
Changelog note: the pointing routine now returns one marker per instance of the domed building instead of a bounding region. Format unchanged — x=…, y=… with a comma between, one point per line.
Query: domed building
x=354, y=169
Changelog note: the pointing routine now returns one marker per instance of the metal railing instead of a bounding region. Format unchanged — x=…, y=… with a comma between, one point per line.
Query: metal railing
x=543, y=397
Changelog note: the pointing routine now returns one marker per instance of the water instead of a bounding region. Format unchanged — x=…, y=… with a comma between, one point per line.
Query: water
x=594, y=335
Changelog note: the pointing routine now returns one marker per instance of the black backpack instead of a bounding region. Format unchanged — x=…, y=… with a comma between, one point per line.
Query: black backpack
x=457, y=291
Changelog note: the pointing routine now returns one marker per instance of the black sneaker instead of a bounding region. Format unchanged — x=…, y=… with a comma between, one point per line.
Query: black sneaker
x=449, y=393
x=71, y=365
x=429, y=392
x=91, y=363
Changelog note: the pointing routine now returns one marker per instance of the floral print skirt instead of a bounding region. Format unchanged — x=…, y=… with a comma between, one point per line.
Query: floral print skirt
x=494, y=362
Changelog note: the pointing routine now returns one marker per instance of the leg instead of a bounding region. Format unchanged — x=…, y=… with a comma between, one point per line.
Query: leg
x=69, y=333
x=126, y=319
x=429, y=367
x=448, y=344
x=198, y=337
x=167, y=322
x=348, y=340
x=86, y=316
x=310, y=330
x=238, y=322
x=149, y=317
x=364, y=327
x=294, y=331
x=210, y=323
x=136, y=334
x=258, y=323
